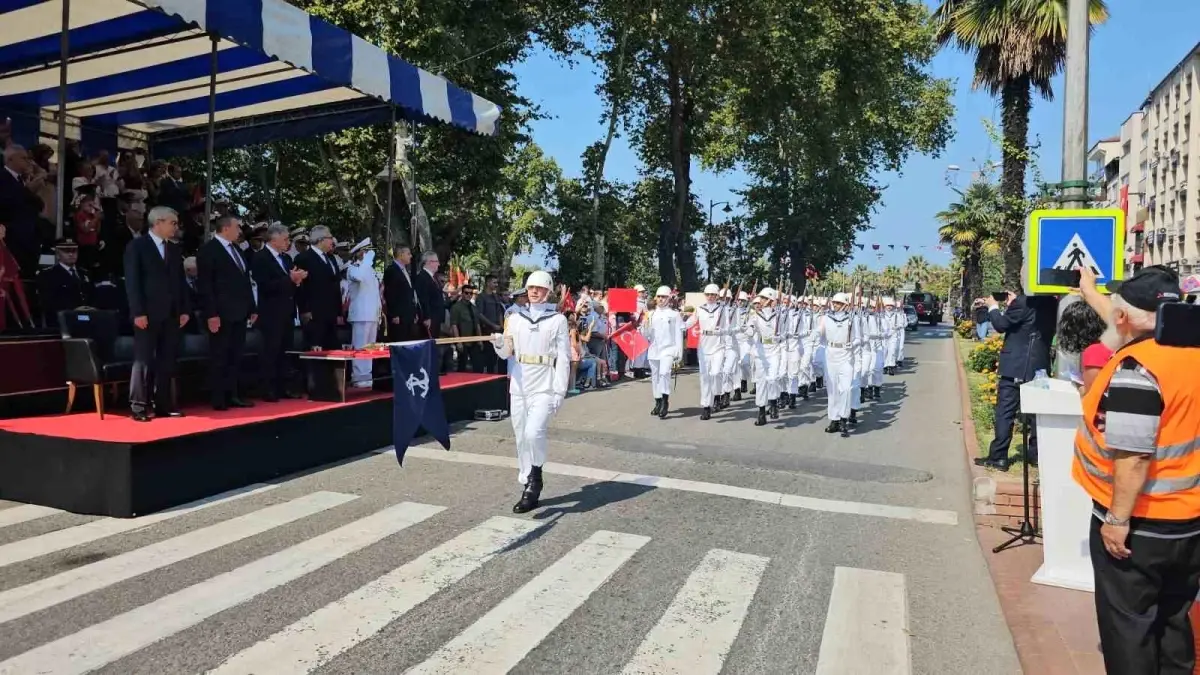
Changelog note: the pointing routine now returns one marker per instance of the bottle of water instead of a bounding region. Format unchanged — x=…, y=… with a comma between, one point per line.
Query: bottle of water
x=1042, y=379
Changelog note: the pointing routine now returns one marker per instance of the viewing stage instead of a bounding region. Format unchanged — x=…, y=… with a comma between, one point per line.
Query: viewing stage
x=117, y=467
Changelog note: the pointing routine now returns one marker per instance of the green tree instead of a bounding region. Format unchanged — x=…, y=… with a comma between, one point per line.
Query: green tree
x=968, y=225
x=1019, y=46
x=891, y=278
x=917, y=270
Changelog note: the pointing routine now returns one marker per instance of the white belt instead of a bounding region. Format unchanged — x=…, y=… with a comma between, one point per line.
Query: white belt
x=837, y=345
x=535, y=359
x=710, y=332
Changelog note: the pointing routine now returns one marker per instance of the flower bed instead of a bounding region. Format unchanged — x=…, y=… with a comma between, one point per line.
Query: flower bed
x=980, y=360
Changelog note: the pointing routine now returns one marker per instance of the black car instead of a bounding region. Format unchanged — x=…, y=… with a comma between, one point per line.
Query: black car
x=928, y=306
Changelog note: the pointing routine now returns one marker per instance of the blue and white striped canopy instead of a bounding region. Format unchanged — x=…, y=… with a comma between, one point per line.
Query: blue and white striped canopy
x=139, y=75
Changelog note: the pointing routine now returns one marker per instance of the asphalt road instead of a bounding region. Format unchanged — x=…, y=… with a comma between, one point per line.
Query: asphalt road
x=663, y=546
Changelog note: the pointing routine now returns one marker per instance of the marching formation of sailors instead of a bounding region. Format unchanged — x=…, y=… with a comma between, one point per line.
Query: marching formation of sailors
x=789, y=347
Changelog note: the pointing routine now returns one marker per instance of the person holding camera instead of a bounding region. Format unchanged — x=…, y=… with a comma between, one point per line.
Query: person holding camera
x=1137, y=455
x=1027, y=324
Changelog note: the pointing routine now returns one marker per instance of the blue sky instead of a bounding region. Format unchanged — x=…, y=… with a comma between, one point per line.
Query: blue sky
x=1142, y=41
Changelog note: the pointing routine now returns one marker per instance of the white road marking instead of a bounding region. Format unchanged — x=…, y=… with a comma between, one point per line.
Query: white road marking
x=932, y=516
x=698, y=629
x=25, y=513
x=124, y=634
x=337, y=627
x=79, y=581
x=501, y=638
x=52, y=542
x=866, y=625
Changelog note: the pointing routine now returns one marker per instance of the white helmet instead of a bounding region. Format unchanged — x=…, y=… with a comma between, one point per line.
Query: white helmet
x=540, y=279
x=712, y=289
x=767, y=293
x=640, y=288
x=842, y=298
x=663, y=292
x=726, y=293
x=743, y=295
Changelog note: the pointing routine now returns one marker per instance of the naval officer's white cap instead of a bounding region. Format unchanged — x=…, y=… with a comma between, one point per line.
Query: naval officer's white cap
x=540, y=279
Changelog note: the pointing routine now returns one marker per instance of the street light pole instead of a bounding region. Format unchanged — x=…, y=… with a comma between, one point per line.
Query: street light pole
x=1075, y=107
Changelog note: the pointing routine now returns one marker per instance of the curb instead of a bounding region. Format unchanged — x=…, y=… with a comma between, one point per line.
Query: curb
x=997, y=503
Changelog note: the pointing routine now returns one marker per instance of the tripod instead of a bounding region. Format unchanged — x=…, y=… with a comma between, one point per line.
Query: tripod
x=1026, y=532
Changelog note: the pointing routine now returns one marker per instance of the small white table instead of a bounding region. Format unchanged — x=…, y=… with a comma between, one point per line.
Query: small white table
x=1066, y=508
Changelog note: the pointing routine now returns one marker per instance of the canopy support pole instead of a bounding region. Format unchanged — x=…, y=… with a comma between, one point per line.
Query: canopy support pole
x=64, y=56
x=391, y=177
x=212, y=127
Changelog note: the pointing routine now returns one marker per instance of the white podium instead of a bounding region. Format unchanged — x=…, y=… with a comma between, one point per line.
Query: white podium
x=1066, y=508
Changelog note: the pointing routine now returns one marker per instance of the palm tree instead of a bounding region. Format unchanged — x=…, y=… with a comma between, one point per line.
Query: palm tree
x=917, y=270
x=891, y=278
x=968, y=225
x=1019, y=46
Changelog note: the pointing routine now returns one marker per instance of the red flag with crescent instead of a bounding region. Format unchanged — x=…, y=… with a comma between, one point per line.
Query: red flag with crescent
x=693, y=336
x=630, y=341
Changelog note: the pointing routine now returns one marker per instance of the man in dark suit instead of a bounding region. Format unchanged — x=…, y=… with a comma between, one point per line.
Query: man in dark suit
x=19, y=210
x=430, y=295
x=1028, y=325
x=62, y=286
x=227, y=304
x=403, y=310
x=158, y=303
x=319, y=297
x=277, y=279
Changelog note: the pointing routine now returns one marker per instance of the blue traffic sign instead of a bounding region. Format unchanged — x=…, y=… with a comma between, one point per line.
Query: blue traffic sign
x=1061, y=242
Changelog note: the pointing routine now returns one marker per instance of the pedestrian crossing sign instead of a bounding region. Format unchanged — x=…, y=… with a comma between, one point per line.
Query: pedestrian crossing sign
x=1066, y=240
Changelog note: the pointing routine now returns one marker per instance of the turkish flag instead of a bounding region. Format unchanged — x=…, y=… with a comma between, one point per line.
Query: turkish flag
x=1125, y=199
x=622, y=301
x=693, y=337
x=630, y=341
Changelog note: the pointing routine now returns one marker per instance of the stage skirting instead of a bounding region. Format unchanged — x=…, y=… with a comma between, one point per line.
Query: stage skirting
x=118, y=467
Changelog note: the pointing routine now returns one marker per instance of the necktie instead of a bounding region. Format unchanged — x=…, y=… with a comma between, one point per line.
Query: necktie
x=74, y=274
x=237, y=258
x=332, y=264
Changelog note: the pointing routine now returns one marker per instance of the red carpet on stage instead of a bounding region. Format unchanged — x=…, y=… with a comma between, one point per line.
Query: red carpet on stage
x=119, y=428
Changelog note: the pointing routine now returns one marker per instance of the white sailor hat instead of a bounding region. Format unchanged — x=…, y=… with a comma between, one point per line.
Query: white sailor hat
x=712, y=289
x=842, y=298
x=640, y=288
x=743, y=295
x=365, y=243
x=541, y=279
x=663, y=292
x=767, y=293
x=726, y=293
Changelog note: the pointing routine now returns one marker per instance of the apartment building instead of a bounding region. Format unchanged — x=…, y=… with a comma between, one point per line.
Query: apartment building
x=1165, y=227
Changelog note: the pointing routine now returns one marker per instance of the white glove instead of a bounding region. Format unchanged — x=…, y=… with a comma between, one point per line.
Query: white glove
x=498, y=340
x=555, y=404
x=368, y=258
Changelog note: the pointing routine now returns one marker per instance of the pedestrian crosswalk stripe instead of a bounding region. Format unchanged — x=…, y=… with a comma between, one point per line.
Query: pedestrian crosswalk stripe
x=25, y=513
x=79, y=581
x=339, y=626
x=52, y=542
x=124, y=634
x=698, y=629
x=501, y=638
x=866, y=625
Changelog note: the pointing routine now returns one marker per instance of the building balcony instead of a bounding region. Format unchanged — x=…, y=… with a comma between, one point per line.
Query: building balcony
x=1142, y=156
x=1142, y=214
x=1137, y=258
x=1138, y=227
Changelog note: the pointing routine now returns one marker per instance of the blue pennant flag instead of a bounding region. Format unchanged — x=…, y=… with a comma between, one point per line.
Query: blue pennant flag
x=417, y=399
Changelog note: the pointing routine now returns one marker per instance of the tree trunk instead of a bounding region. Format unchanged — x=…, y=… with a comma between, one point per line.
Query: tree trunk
x=973, y=283
x=680, y=168
x=685, y=255
x=614, y=113
x=1017, y=102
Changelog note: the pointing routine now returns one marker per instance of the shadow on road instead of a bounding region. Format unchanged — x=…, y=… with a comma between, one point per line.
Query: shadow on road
x=588, y=498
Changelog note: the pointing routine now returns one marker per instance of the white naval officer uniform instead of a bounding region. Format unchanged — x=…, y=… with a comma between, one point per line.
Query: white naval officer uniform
x=538, y=371
x=767, y=352
x=363, y=313
x=731, y=357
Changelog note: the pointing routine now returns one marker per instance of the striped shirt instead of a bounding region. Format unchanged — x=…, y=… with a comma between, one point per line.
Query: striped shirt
x=1132, y=408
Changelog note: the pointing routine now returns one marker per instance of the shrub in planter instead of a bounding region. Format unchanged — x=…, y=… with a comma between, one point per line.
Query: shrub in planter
x=965, y=329
x=986, y=355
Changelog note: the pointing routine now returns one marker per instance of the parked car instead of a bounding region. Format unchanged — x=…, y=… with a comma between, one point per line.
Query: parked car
x=928, y=306
x=910, y=313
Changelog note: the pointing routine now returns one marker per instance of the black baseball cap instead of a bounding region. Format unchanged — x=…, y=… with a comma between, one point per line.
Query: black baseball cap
x=1150, y=287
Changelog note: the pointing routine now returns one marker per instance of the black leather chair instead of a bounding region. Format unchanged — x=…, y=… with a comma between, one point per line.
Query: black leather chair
x=96, y=353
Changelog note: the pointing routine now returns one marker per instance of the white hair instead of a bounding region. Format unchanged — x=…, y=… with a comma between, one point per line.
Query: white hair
x=318, y=233
x=160, y=213
x=428, y=256
x=1140, y=321
x=189, y=261
x=276, y=229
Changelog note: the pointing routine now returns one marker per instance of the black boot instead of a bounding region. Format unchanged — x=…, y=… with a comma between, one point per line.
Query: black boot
x=737, y=394
x=533, y=490
x=706, y=414
x=878, y=393
x=804, y=393
x=845, y=429
x=724, y=401
x=666, y=404
x=773, y=409
x=657, y=406
x=853, y=418
x=744, y=387
x=820, y=383
x=762, y=417
x=791, y=401
x=834, y=427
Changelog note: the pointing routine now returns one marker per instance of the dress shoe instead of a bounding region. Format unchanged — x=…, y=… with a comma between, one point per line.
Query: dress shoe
x=657, y=407
x=834, y=427
x=239, y=403
x=706, y=414
x=666, y=406
x=762, y=418
x=140, y=417
x=168, y=413
x=531, y=493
